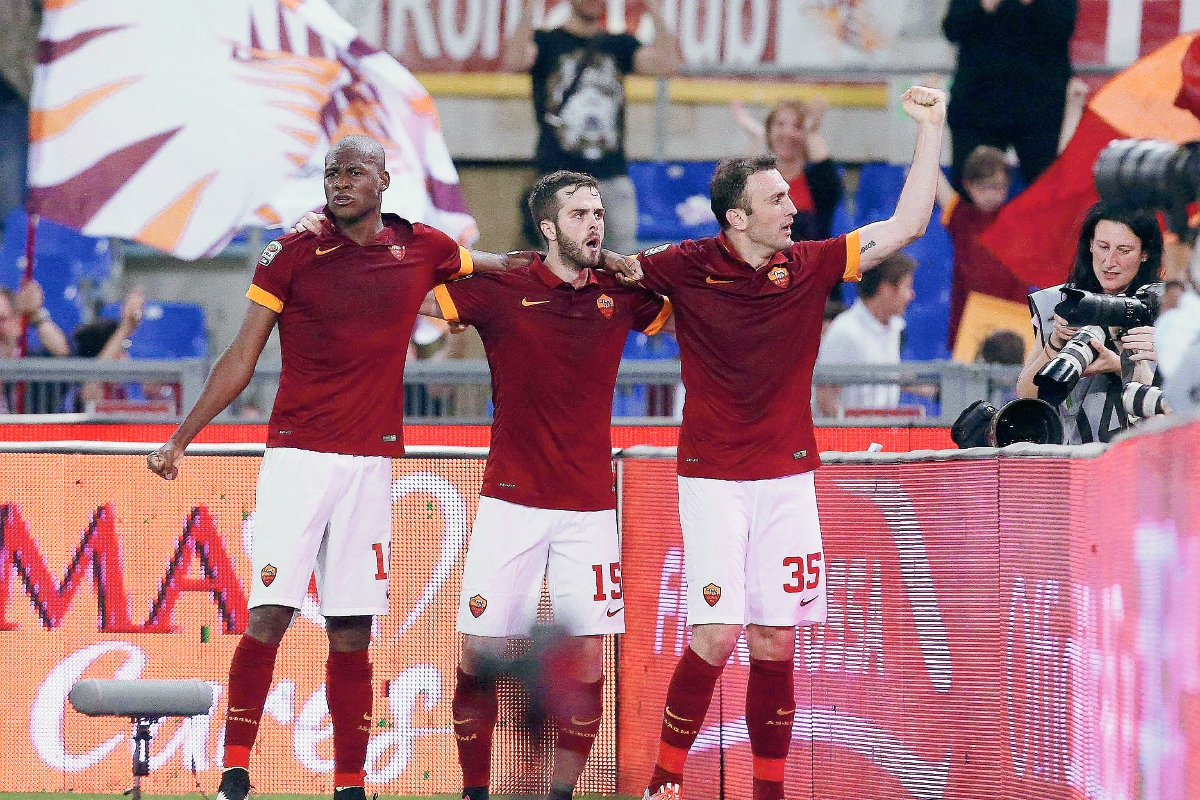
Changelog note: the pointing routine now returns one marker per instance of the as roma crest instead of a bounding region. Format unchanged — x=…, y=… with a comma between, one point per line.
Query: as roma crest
x=268, y=575
x=712, y=594
x=478, y=605
x=780, y=277
x=397, y=252
x=606, y=305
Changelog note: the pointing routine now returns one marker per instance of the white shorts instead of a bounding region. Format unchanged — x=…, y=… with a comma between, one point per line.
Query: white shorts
x=752, y=551
x=513, y=546
x=326, y=512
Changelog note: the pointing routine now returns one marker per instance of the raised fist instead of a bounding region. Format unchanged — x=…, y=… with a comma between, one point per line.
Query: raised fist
x=925, y=105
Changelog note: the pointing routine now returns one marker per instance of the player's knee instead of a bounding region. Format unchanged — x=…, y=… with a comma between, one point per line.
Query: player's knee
x=481, y=651
x=771, y=643
x=715, y=643
x=348, y=634
x=268, y=624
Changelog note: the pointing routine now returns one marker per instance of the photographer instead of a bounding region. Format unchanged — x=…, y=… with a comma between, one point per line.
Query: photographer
x=1119, y=252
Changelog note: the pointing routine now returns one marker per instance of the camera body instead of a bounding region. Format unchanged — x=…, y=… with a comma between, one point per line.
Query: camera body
x=1110, y=311
x=1026, y=420
x=1095, y=312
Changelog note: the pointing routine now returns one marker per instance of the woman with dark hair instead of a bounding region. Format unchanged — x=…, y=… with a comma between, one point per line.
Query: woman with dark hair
x=792, y=134
x=1119, y=253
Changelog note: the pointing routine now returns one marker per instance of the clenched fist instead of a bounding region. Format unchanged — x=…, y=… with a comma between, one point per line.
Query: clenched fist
x=164, y=461
x=925, y=105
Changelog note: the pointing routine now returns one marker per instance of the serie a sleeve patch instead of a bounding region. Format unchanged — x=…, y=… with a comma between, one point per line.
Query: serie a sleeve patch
x=268, y=255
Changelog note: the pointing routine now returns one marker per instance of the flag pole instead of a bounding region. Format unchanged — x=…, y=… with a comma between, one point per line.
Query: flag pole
x=23, y=342
x=31, y=224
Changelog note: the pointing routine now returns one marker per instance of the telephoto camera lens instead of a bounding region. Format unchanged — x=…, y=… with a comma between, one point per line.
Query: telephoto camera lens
x=1142, y=401
x=1117, y=311
x=1021, y=420
x=1058, y=377
x=1149, y=173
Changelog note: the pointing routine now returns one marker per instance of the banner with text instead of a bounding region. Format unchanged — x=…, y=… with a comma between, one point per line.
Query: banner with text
x=472, y=35
x=106, y=571
x=1044, y=645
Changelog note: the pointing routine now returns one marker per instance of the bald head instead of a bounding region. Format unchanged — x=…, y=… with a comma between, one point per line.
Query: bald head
x=355, y=181
x=363, y=147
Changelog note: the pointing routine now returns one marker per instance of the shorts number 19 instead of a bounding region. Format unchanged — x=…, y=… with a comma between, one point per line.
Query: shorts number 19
x=614, y=574
x=803, y=568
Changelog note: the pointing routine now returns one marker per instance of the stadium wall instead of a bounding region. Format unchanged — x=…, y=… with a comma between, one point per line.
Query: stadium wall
x=1004, y=627
x=1011, y=626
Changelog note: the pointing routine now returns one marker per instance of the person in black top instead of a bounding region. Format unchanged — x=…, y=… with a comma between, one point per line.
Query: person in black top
x=1011, y=82
x=578, y=73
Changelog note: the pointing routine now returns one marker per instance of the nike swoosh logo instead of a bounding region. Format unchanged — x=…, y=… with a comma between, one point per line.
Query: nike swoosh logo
x=525, y=301
x=239, y=710
x=711, y=279
x=806, y=602
x=321, y=252
x=783, y=712
x=367, y=717
x=454, y=721
x=676, y=716
x=612, y=612
x=582, y=724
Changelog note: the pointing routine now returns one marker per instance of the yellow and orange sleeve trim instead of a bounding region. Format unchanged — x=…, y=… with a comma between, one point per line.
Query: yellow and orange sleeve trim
x=664, y=315
x=853, y=257
x=445, y=303
x=264, y=298
x=466, y=263
x=948, y=209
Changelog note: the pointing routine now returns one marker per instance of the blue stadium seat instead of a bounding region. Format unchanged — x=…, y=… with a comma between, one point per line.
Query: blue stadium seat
x=630, y=401
x=672, y=200
x=168, y=330
x=879, y=188
x=659, y=346
x=927, y=319
x=843, y=222
x=63, y=257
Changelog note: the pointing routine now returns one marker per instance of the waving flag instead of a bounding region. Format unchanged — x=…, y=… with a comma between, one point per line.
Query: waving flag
x=1036, y=234
x=177, y=124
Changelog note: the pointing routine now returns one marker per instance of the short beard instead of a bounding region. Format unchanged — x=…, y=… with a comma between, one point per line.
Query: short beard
x=573, y=253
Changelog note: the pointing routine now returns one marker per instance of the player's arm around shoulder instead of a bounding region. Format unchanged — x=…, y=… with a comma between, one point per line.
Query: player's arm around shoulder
x=879, y=240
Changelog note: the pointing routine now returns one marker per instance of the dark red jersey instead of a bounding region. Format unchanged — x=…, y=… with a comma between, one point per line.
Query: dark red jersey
x=346, y=313
x=554, y=352
x=748, y=340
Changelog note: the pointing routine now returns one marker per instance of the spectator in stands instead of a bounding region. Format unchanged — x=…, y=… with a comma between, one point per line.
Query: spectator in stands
x=985, y=184
x=108, y=340
x=869, y=333
x=1010, y=85
x=833, y=309
x=1119, y=252
x=1002, y=347
x=19, y=309
x=578, y=75
x=793, y=135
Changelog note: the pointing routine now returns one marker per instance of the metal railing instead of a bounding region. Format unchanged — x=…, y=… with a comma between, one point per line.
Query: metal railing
x=459, y=391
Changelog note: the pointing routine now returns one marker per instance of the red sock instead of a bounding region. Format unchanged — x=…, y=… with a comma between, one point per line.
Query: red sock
x=688, y=698
x=578, y=709
x=770, y=709
x=348, y=691
x=249, y=683
x=474, y=718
